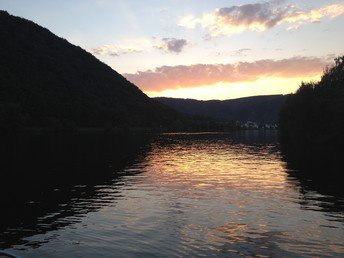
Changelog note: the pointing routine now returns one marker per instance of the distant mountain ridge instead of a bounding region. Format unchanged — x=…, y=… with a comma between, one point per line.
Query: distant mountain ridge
x=259, y=109
x=46, y=81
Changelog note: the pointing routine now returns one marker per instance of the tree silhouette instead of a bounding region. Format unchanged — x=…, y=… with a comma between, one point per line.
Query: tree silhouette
x=312, y=120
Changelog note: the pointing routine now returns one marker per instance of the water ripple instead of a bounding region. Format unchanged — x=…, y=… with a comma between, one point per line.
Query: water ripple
x=188, y=195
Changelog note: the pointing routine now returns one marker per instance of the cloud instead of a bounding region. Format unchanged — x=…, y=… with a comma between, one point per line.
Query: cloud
x=259, y=17
x=172, y=45
x=136, y=45
x=114, y=50
x=124, y=47
x=197, y=75
x=241, y=52
x=163, y=10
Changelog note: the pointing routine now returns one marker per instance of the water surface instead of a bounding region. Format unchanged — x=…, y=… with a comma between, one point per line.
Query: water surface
x=171, y=195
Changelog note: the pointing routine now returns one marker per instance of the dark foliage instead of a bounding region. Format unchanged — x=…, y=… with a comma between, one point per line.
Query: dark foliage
x=312, y=121
x=260, y=109
x=47, y=82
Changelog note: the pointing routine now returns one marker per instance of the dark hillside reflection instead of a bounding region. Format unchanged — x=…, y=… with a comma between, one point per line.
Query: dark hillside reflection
x=319, y=190
x=51, y=181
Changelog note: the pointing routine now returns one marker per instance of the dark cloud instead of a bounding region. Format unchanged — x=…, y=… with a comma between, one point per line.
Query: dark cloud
x=173, y=45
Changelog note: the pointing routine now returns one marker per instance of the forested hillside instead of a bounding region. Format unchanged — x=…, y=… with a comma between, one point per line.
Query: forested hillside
x=259, y=109
x=312, y=121
x=47, y=82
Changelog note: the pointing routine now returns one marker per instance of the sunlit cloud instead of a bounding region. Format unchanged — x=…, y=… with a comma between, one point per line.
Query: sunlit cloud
x=259, y=17
x=199, y=75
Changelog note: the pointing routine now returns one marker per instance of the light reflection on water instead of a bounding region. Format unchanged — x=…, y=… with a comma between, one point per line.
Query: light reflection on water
x=191, y=195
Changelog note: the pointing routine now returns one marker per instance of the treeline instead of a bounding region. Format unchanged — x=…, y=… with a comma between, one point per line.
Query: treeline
x=312, y=122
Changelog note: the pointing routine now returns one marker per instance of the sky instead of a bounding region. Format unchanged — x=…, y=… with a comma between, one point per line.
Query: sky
x=201, y=49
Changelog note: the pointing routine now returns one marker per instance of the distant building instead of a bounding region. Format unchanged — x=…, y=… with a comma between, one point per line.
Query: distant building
x=249, y=125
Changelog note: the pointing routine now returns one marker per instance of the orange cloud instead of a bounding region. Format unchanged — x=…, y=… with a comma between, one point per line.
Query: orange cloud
x=259, y=17
x=198, y=75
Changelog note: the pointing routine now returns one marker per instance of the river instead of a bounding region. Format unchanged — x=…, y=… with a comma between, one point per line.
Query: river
x=168, y=195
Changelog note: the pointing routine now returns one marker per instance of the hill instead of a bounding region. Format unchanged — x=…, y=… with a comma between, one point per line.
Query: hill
x=46, y=81
x=312, y=122
x=259, y=109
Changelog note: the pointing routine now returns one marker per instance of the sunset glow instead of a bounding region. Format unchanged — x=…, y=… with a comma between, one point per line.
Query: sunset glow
x=222, y=91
